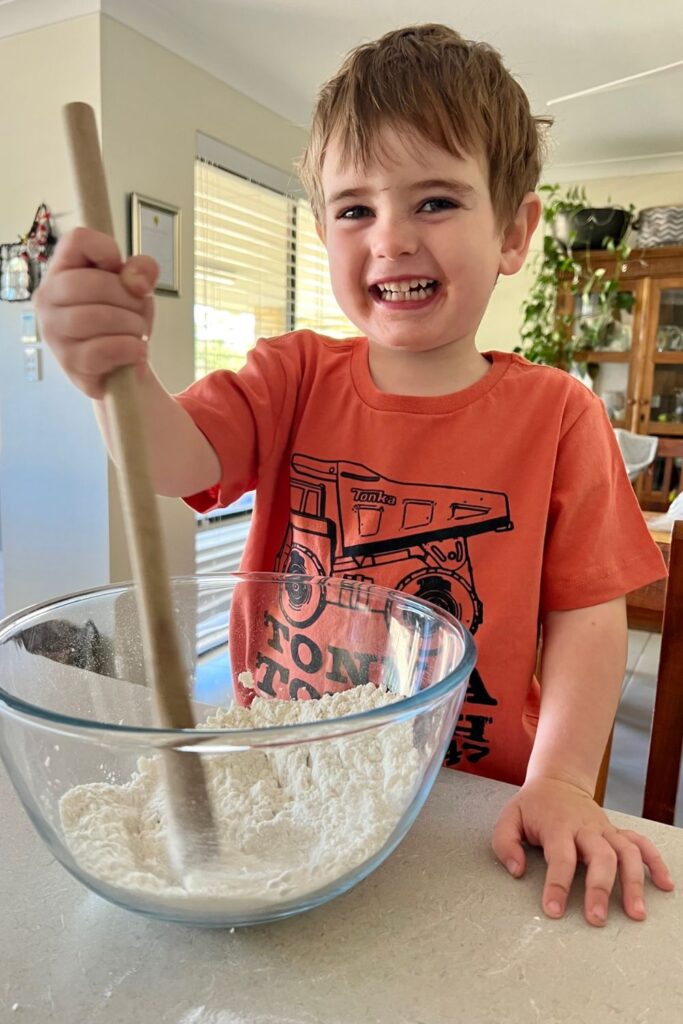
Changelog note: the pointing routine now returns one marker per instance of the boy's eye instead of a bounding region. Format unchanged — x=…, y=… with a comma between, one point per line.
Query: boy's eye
x=354, y=213
x=436, y=205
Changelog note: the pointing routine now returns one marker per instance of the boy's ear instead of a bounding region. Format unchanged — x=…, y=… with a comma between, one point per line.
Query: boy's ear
x=320, y=231
x=518, y=233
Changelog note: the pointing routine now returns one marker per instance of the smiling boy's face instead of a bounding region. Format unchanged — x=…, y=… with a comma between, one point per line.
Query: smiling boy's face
x=413, y=243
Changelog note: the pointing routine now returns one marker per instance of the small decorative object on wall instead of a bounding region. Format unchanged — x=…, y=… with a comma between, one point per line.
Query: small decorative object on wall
x=22, y=263
x=155, y=231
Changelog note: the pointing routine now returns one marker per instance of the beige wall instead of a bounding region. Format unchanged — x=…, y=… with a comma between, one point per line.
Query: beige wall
x=501, y=325
x=149, y=103
x=53, y=508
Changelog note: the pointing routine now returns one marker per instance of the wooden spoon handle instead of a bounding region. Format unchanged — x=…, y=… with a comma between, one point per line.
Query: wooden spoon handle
x=165, y=670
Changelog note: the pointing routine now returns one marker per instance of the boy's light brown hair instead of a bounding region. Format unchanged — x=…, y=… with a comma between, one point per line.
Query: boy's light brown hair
x=431, y=81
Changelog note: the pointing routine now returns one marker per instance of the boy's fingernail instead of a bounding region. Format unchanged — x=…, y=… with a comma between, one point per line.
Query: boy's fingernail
x=639, y=907
x=599, y=913
x=553, y=908
x=512, y=866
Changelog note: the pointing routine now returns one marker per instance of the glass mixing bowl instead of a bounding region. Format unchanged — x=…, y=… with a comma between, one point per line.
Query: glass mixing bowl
x=324, y=708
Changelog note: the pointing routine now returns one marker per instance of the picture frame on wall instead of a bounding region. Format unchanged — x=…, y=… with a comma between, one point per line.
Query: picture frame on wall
x=155, y=232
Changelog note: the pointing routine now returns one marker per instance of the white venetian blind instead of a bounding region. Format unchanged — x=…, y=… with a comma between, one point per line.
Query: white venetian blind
x=260, y=269
x=316, y=306
x=243, y=267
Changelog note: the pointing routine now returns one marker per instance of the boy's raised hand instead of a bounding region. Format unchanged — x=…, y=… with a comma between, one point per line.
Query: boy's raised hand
x=571, y=828
x=96, y=311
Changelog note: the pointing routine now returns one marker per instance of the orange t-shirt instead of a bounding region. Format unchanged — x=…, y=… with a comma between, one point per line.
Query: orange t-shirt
x=500, y=502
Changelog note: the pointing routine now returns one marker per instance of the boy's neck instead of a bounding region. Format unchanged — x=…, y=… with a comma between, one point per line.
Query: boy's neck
x=442, y=371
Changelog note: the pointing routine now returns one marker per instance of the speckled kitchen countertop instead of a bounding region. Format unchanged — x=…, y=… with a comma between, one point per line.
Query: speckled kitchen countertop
x=437, y=935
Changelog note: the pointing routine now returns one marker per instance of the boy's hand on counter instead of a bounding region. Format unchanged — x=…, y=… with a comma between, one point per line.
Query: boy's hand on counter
x=96, y=311
x=571, y=828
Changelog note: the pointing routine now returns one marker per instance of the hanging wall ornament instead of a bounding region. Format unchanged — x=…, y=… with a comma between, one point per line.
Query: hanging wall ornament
x=22, y=263
x=40, y=243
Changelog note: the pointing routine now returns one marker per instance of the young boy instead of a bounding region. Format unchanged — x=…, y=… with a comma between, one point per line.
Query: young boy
x=489, y=485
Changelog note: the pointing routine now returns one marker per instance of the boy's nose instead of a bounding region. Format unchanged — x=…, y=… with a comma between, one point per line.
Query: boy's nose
x=394, y=238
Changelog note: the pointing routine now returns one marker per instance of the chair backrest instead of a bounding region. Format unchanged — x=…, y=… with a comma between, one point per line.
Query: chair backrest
x=666, y=740
x=663, y=479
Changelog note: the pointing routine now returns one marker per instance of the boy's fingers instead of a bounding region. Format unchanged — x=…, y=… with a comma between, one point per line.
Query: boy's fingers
x=560, y=856
x=93, y=362
x=601, y=860
x=84, y=288
x=81, y=323
x=85, y=248
x=140, y=274
x=506, y=841
x=631, y=876
x=659, y=873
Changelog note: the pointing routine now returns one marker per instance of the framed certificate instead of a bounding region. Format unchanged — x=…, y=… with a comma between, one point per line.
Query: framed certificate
x=155, y=232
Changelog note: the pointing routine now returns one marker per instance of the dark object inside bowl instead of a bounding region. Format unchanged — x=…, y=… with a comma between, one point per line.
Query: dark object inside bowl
x=592, y=227
x=81, y=646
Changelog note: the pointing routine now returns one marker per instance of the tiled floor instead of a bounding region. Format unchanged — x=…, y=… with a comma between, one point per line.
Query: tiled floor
x=626, y=777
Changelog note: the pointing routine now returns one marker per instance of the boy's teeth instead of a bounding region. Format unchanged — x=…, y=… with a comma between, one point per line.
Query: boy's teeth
x=398, y=291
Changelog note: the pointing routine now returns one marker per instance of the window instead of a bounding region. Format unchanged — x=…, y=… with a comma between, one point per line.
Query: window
x=315, y=304
x=243, y=267
x=260, y=269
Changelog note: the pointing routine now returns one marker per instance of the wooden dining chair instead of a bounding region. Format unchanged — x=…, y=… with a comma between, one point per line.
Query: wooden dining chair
x=658, y=485
x=666, y=736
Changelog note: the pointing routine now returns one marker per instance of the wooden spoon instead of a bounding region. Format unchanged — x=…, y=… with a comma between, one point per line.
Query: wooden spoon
x=192, y=832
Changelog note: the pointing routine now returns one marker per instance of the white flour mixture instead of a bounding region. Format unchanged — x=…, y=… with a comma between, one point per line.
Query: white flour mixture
x=289, y=821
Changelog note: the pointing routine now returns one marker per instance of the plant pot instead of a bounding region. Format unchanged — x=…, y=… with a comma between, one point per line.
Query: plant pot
x=592, y=227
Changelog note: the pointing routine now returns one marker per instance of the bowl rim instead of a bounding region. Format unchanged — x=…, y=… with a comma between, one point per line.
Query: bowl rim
x=201, y=738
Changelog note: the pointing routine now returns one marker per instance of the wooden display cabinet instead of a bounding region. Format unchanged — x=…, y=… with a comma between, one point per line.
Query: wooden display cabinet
x=639, y=373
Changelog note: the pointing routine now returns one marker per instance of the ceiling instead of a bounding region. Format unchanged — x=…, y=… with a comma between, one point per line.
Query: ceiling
x=279, y=51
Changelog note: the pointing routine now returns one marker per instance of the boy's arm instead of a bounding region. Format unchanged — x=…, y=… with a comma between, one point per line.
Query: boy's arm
x=182, y=461
x=582, y=667
x=583, y=660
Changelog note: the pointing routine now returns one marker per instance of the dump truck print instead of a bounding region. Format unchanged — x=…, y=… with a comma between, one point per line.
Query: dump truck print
x=346, y=520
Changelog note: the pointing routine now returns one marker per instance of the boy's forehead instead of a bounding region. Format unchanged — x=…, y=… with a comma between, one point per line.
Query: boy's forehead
x=397, y=154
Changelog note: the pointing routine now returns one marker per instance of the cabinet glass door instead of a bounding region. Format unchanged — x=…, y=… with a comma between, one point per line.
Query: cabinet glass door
x=596, y=329
x=669, y=337
x=666, y=402
x=610, y=381
x=604, y=356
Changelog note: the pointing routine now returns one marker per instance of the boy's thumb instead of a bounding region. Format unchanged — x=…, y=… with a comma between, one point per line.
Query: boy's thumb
x=139, y=274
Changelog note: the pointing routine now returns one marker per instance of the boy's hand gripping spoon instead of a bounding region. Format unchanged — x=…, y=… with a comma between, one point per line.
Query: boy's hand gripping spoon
x=192, y=837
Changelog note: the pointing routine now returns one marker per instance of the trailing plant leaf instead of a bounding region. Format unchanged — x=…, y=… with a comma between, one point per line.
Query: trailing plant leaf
x=552, y=338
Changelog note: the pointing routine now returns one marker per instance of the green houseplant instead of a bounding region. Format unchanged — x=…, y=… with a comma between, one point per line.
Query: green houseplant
x=548, y=336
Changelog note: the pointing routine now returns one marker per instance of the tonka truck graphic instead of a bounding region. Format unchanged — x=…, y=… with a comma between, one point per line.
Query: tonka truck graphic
x=346, y=520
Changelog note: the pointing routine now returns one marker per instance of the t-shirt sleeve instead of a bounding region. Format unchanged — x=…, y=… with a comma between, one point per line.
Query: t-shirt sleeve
x=597, y=545
x=239, y=414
